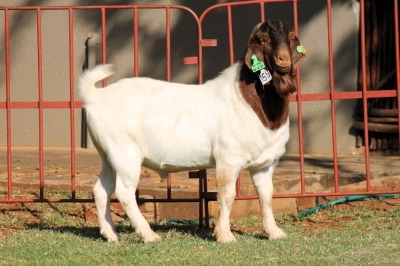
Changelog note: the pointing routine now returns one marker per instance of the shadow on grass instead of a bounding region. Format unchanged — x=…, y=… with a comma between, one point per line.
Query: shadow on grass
x=68, y=219
x=93, y=232
x=166, y=231
x=185, y=229
x=85, y=232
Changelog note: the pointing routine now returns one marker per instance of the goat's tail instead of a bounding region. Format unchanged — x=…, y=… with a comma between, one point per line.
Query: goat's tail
x=88, y=80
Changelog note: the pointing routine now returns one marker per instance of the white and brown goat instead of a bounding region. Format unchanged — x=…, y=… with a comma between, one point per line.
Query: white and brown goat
x=237, y=121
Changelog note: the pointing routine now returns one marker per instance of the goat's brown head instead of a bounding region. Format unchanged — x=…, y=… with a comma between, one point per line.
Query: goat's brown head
x=275, y=44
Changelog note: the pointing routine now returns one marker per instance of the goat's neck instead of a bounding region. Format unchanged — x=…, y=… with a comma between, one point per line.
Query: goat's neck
x=271, y=108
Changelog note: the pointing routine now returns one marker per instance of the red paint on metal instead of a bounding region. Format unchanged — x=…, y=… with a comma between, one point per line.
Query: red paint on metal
x=208, y=42
x=364, y=91
x=45, y=104
x=135, y=42
x=332, y=91
x=40, y=96
x=299, y=110
x=8, y=103
x=230, y=35
x=348, y=95
x=262, y=11
x=193, y=60
x=168, y=42
x=238, y=185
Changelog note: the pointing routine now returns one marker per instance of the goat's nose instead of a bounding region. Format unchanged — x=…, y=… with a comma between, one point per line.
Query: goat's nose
x=283, y=58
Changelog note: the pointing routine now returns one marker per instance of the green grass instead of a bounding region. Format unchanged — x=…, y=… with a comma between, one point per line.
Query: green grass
x=58, y=235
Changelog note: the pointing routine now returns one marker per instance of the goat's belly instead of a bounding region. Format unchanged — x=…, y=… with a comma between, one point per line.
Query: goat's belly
x=177, y=153
x=177, y=144
x=180, y=161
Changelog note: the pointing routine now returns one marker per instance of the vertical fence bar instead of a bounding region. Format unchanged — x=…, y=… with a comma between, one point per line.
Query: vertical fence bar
x=206, y=201
x=135, y=57
x=332, y=92
x=135, y=43
x=364, y=94
x=202, y=202
x=169, y=186
x=40, y=95
x=8, y=103
x=168, y=42
x=238, y=190
x=200, y=55
x=168, y=75
x=262, y=11
x=397, y=51
x=103, y=40
x=72, y=101
x=230, y=36
x=299, y=109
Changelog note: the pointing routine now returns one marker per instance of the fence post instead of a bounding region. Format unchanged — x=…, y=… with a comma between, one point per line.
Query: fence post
x=92, y=43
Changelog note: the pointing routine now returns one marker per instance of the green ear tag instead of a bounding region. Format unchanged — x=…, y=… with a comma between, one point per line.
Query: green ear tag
x=257, y=65
x=300, y=49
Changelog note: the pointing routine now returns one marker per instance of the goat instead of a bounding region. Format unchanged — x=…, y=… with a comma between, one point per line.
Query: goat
x=237, y=121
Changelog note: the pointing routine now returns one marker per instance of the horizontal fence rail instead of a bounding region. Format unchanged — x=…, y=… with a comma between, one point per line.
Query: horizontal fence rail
x=8, y=105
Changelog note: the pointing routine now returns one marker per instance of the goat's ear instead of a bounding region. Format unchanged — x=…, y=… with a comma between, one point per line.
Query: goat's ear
x=253, y=47
x=298, y=54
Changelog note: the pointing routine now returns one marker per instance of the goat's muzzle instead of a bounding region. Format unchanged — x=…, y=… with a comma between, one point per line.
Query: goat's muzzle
x=285, y=63
x=282, y=57
x=282, y=60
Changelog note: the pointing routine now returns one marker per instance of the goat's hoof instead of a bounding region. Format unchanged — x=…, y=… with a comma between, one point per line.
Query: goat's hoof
x=151, y=238
x=226, y=238
x=111, y=238
x=277, y=234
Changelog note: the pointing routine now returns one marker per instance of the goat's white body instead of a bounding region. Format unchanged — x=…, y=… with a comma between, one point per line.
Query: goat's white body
x=171, y=127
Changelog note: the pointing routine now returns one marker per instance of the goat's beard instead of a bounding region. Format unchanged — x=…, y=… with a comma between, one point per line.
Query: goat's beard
x=284, y=84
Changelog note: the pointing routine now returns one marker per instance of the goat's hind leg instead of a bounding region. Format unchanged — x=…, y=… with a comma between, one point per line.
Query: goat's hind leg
x=102, y=192
x=127, y=180
x=263, y=182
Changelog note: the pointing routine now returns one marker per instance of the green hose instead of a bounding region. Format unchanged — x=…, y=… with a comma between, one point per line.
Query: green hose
x=343, y=200
x=179, y=221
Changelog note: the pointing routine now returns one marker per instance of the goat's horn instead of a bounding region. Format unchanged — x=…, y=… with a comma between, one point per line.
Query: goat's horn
x=255, y=29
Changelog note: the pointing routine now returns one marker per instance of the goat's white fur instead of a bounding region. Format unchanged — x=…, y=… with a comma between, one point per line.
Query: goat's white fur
x=171, y=127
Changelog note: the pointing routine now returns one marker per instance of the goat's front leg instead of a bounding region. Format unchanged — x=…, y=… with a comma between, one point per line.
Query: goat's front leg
x=226, y=189
x=102, y=191
x=263, y=182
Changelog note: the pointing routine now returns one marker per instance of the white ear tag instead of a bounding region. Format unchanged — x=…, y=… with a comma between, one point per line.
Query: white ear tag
x=265, y=76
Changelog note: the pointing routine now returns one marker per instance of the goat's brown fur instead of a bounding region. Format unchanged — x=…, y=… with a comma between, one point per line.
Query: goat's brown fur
x=271, y=101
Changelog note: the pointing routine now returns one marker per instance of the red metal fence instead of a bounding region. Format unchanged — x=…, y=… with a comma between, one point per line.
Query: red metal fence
x=8, y=105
